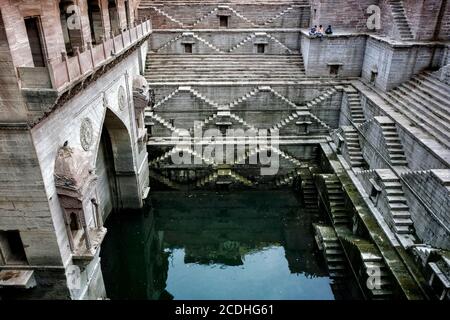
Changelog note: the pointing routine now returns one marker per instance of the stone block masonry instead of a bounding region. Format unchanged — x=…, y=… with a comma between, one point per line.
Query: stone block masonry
x=23, y=199
x=336, y=55
x=389, y=65
x=431, y=214
x=349, y=15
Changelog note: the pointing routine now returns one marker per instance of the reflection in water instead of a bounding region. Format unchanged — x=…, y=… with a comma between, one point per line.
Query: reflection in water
x=248, y=245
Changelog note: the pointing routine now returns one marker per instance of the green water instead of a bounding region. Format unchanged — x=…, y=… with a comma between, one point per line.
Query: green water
x=243, y=245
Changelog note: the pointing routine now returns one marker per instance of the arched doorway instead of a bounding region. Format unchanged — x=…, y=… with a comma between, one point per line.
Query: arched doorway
x=118, y=181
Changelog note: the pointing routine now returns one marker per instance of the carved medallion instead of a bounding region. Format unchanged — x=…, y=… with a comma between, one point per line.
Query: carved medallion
x=122, y=98
x=86, y=133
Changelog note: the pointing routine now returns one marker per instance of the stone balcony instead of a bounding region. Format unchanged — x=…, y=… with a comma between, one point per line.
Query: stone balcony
x=61, y=74
x=82, y=255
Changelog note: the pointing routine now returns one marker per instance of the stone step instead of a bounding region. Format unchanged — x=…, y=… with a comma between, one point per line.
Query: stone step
x=431, y=78
x=382, y=293
x=396, y=151
x=402, y=229
x=425, y=86
x=430, y=126
x=396, y=199
x=335, y=259
x=423, y=105
x=336, y=267
x=369, y=257
x=378, y=263
x=398, y=207
x=403, y=221
x=394, y=192
x=333, y=252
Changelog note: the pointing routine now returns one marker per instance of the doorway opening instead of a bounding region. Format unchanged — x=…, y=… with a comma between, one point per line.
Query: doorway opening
x=35, y=39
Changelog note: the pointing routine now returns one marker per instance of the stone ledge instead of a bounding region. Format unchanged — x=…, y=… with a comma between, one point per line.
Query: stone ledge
x=23, y=279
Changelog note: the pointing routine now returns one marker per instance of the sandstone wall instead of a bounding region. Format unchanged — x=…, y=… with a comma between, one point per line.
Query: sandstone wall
x=397, y=64
x=350, y=14
x=345, y=51
x=433, y=189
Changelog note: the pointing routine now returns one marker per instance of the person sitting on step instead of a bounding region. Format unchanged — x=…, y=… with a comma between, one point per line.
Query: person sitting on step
x=329, y=30
x=320, y=32
x=313, y=31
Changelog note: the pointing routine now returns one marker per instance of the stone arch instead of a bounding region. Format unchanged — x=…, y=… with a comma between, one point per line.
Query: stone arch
x=121, y=142
x=115, y=166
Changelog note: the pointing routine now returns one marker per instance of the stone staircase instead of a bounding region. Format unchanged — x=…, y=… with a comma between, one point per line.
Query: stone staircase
x=243, y=98
x=309, y=190
x=204, y=17
x=321, y=123
x=293, y=117
x=277, y=16
x=374, y=274
x=198, y=95
x=255, y=151
x=355, y=107
x=333, y=252
x=286, y=156
x=166, y=181
x=151, y=115
x=425, y=100
x=161, y=12
x=162, y=69
x=287, y=179
x=318, y=101
x=244, y=41
x=400, y=19
x=194, y=92
x=165, y=99
x=336, y=197
x=243, y=122
x=393, y=144
x=355, y=154
x=221, y=173
x=167, y=44
x=249, y=153
x=237, y=177
x=207, y=43
x=208, y=179
x=255, y=18
x=280, y=96
x=176, y=150
x=239, y=15
x=200, y=125
x=401, y=221
x=288, y=50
